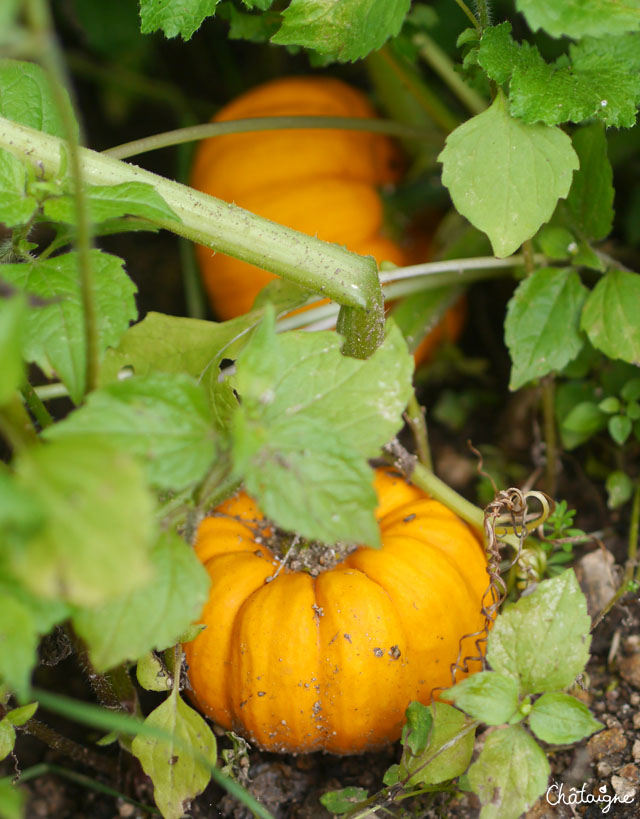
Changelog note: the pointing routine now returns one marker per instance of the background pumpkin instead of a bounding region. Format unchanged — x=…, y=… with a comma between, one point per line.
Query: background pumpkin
x=322, y=182
x=301, y=664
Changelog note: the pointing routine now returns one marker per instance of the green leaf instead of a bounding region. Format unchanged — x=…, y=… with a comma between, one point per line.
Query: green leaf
x=12, y=800
x=173, y=344
x=585, y=419
x=610, y=405
x=161, y=417
x=12, y=323
x=27, y=98
x=256, y=28
x=7, y=739
x=343, y=800
x=98, y=517
x=22, y=715
x=620, y=428
x=55, y=335
x=590, y=200
x=177, y=777
x=307, y=478
x=610, y=316
x=631, y=390
x=151, y=674
x=448, y=723
x=16, y=206
x=107, y=202
x=557, y=242
x=596, y=84
x=300, y=373
x=511, y=772
x=498, y=53
x=577, y=19
x=488, y=696
x=542, y=328
x=18, y=644
x=506, y=176
x=601, y=79
x=152, y=616
x=183, y=17
x=633, y=410
x=347, y=30
x=543, y=639
x=561, y=719
x=416, y=730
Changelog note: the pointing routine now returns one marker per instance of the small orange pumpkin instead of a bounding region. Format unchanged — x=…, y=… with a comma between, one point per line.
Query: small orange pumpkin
x=298, y=663
x=322, y=182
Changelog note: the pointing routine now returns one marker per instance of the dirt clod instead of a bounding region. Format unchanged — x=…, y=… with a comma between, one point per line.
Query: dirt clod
x=607, y=742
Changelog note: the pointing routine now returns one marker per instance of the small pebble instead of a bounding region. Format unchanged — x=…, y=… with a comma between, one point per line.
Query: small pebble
x=636, y=720
x=630, y=772
x=634, y=699
x=606, y=742
x=632, y=643
x=635, y=753
x=630, y=669
x=623, y=788
x=604, y=769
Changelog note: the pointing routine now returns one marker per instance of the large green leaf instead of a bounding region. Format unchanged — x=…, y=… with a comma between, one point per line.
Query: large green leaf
x=561, y=719
x=298, y=373
x=112, y=201
x=98, y=522
x=174, y=344
x=511, y=772
x=447, y=763
x=307, y=478
x=600, y=80
x=488, y=696
x=152, y=616
x=543, y=639
x=610, y=316
x=16, y=205
x=343, y=29
x=590, y=200
x=183, y=17
x=162, y=417
x=55, y=332
x=26, y=97
x=542, y=328
x=18, y=643
x=177, y=776
x=506, y=176
x=12, y=323
x=577, y=18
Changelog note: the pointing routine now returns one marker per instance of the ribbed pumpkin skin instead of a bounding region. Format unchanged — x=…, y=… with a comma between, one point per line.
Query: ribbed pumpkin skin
x=302, y=664
x=321, y=182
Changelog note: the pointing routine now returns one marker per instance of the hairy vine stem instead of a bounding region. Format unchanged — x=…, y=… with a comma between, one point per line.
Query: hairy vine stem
x=194, y=133
x=325, y=268
x=39, y=19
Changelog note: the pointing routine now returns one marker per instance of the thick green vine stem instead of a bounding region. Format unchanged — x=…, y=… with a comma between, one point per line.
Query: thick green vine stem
x=327, y=269
x=429, y=482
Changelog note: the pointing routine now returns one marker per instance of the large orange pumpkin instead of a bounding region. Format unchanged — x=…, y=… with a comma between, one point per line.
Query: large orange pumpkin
x=322, y=182
x=298, y=663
